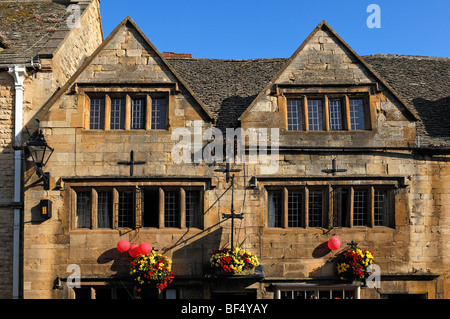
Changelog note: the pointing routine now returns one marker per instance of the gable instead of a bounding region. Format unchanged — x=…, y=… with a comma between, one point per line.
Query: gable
x=128, y=58
x=324, y=59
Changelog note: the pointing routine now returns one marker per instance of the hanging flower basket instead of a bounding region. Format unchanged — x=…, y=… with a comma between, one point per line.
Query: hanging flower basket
x=152, y=269
x=355, y=264
x=233, y=261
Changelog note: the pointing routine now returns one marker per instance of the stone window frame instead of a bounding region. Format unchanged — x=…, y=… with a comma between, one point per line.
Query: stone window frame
x=107, y=94
x=343, y=92
x=314, y=291
x=138, y=193
x=304, y=190
x=330, y=212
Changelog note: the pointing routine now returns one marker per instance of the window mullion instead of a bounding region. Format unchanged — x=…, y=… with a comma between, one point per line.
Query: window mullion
x=329, y=205
x=94, y=201
x=326, y=115
x=284, y=218
x=148, y=112
x=115, y=208
x=306, y=208
x=127, y=112
x=107, y=112
x=161, y=208
x=305, y=113
x=351, y=201
x=371, y=207
x=182, y=208
x=346, y=114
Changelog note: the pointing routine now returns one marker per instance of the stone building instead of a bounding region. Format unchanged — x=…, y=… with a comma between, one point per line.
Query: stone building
x=362, y=155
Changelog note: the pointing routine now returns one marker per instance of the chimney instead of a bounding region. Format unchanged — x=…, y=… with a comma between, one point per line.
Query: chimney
x=177, y=55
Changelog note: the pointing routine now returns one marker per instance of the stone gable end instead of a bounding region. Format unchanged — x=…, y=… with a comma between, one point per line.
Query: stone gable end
x=127, y=58
x=325, y=60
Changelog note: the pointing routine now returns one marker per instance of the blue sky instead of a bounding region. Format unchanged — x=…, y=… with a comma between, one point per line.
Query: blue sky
x=245, y=29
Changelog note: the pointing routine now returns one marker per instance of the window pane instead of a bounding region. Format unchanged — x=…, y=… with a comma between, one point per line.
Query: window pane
x=117, y=114
x=335, y=110
x=193, y=205
x=104, y=210
x=151, y=208
x=356, y=107
x=315, y=209
x=285, y=294
x=83, y=217
x=126, y=209
x=295, y=204
x=158, y=114
x=381, y=208
x=171, y=209
x=360, y=208
x=342, y=207
x=138, y=114
x=275, y=209
x=315, y=116
x=97, y=114
x=294, y=115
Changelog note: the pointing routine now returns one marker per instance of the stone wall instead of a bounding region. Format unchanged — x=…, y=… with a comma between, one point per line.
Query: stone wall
x=416, y=244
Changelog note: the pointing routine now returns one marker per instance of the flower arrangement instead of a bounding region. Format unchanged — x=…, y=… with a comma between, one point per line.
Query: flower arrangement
x=152, y=269
x=354, y=264
x=233, y=261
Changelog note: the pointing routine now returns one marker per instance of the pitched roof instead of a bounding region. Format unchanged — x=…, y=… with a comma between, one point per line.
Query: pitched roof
x=423, y=83
x=228, y=87
x=28, y=29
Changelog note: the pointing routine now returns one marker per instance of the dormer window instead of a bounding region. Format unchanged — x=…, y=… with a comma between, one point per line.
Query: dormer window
x=128, y=112
x=327, y=113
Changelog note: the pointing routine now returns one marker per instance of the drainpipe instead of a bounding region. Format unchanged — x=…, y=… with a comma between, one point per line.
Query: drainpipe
x=19, y=73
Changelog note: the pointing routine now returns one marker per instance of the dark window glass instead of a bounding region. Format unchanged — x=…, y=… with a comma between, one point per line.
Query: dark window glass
x=117, y=114
x=97, y=114
x=138, y=114
x=158, y=114
x=83, y=216
x=275, y=209
x=356, y=107
x=315, y=115
x=294, y=115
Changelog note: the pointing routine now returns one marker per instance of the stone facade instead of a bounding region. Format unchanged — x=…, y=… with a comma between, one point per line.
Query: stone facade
x=61, y=51
x=410, y=245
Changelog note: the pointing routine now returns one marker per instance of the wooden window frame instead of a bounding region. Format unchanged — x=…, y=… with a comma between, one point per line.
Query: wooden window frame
x=304, y=190
x=138, y=202
x=325, y=98
x=330, y=210
x=129, y=97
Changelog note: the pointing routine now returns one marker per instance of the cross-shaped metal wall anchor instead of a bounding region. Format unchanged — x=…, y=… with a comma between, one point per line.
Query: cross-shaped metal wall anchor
x=131, y=163
x=227, y=171
x=232, y=215
x=334, y=168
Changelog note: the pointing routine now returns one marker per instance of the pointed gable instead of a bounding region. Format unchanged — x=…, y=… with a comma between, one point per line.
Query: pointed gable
x=127, y=57
x=325, y=59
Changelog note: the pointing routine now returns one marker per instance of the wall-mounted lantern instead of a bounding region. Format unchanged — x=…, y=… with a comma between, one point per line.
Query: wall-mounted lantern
x=40, y=153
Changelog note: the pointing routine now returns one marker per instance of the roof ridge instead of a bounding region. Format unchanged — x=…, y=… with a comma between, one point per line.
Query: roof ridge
x=407, y=56
x=227, y=60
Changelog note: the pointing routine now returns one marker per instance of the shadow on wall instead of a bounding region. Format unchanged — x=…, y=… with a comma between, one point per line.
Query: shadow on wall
x=435, y=116
x=189, y=257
